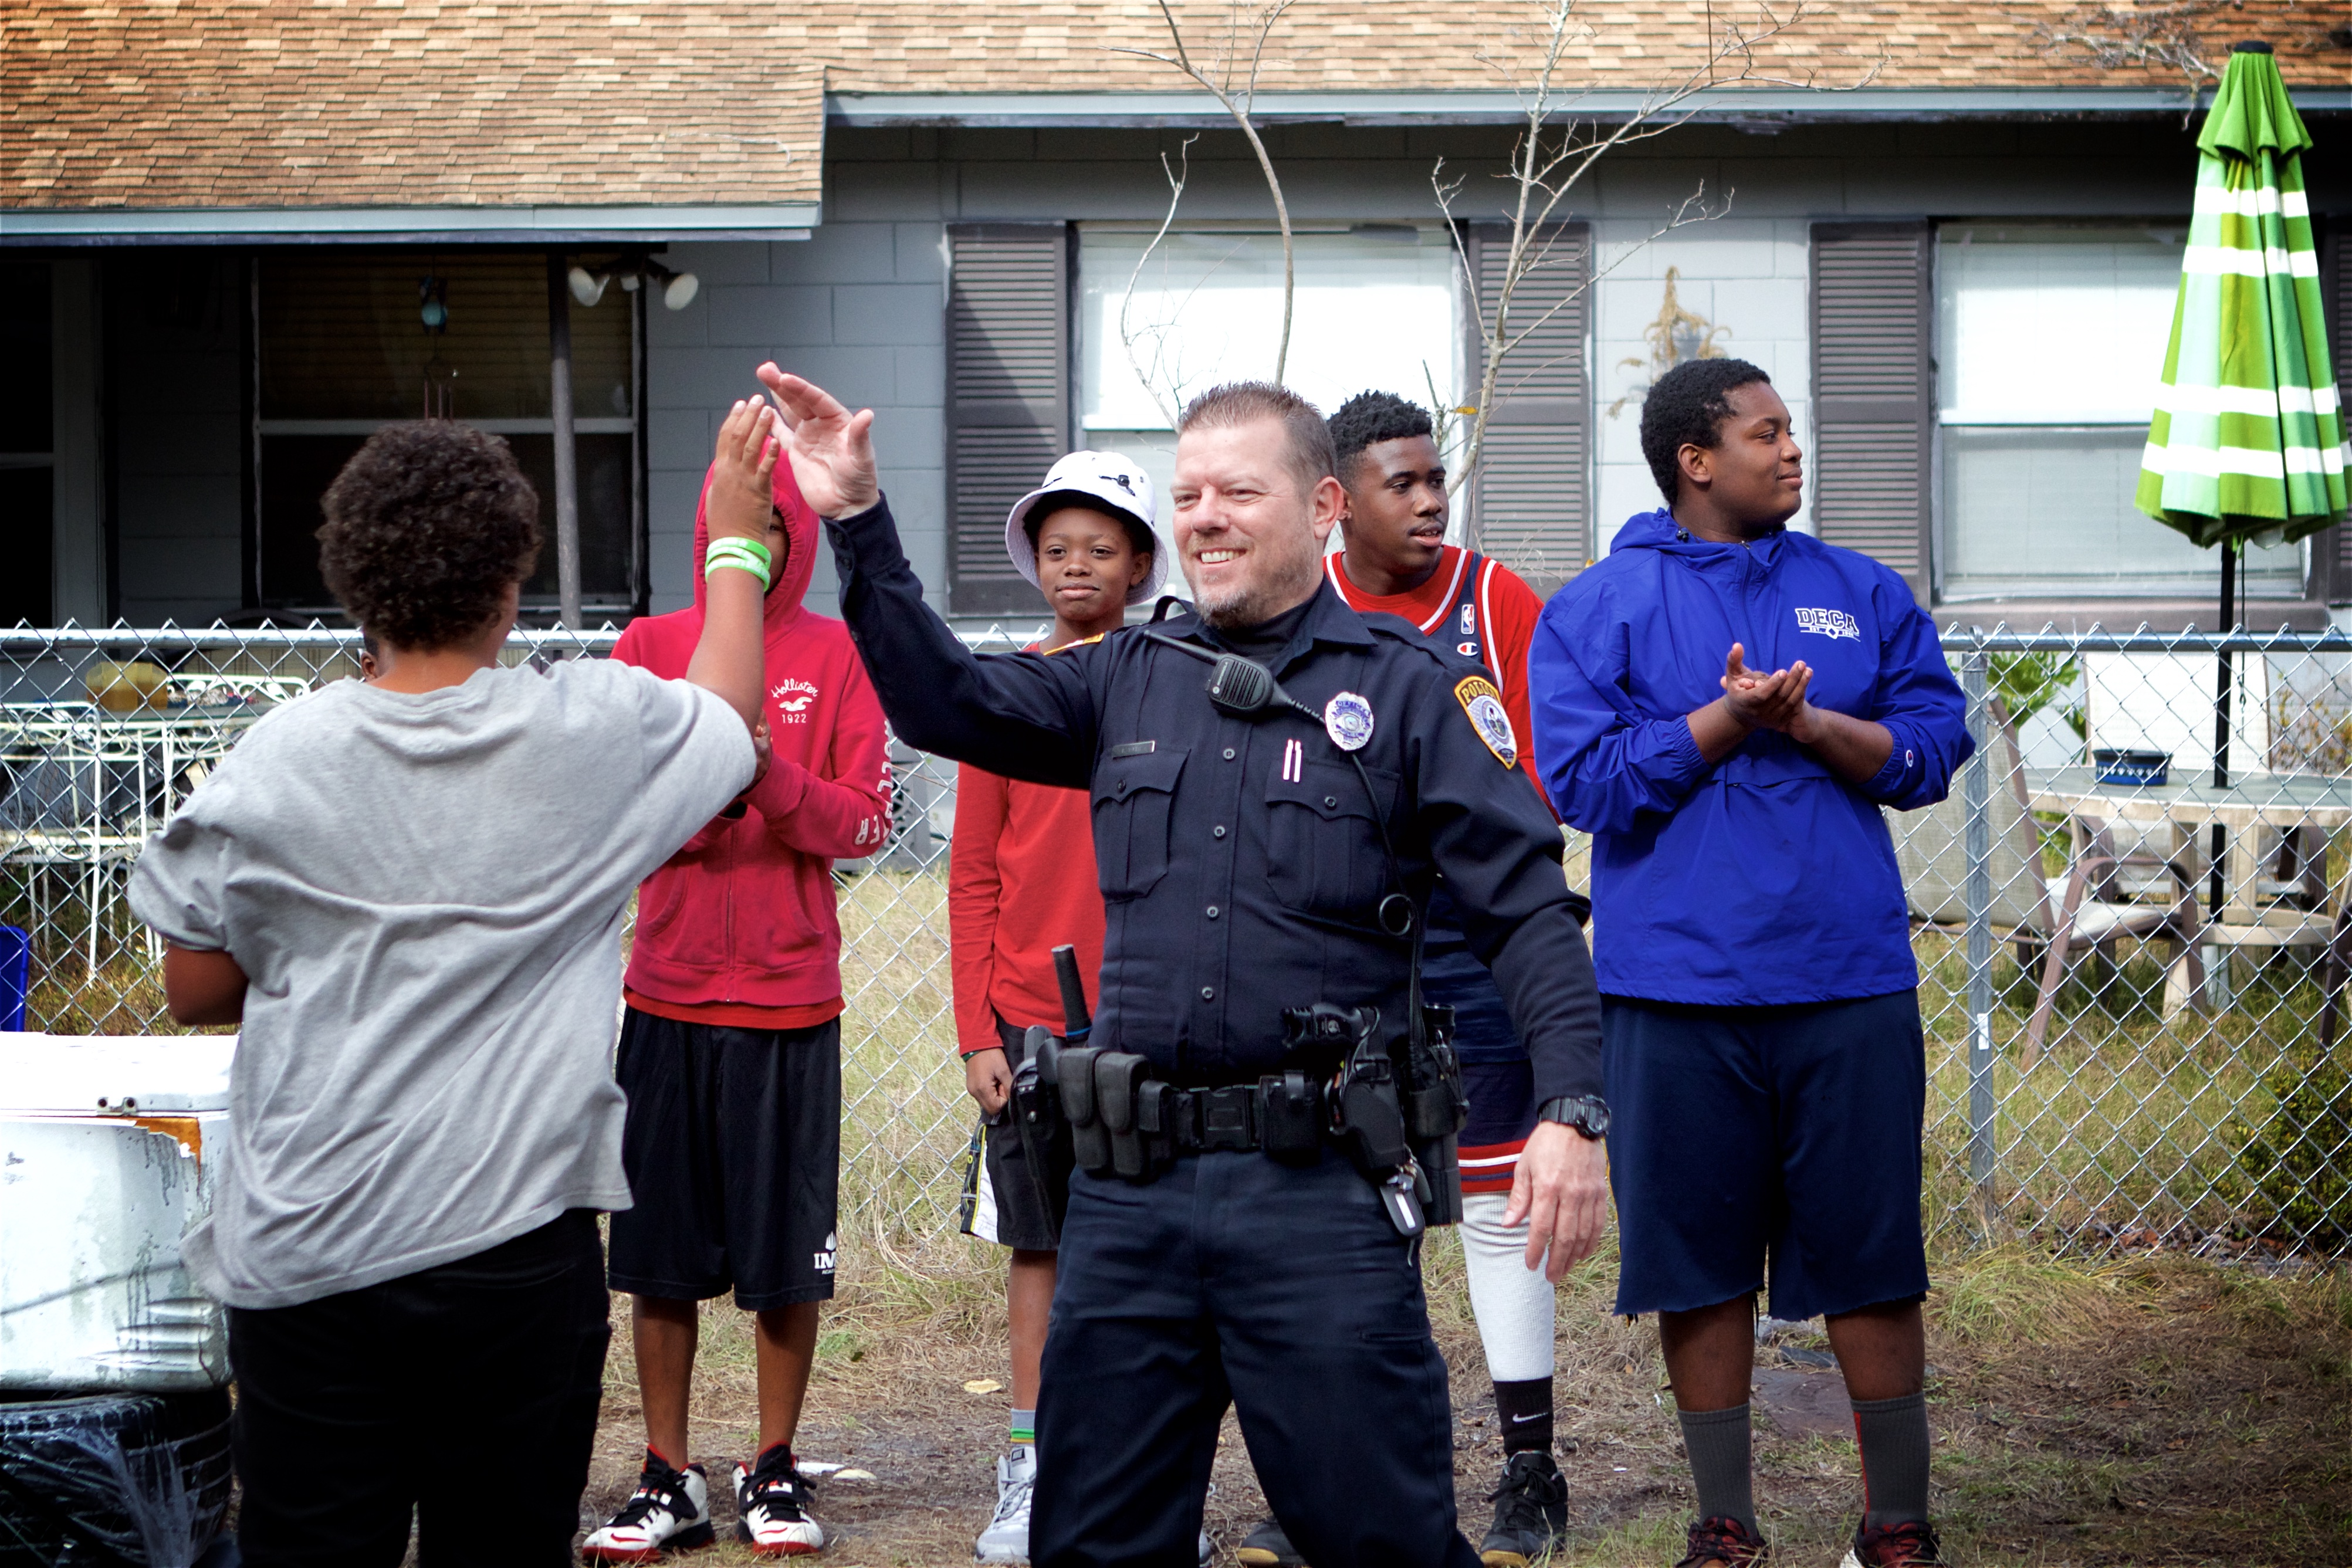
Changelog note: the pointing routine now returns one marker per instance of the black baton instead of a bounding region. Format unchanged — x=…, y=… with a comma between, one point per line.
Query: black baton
x=1076, y=1022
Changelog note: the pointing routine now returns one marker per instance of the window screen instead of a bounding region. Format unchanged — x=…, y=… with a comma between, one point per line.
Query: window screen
x=2051, y=343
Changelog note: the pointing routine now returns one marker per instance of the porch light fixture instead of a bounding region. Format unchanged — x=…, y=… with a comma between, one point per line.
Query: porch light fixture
x=588, y=286
x=679, y=288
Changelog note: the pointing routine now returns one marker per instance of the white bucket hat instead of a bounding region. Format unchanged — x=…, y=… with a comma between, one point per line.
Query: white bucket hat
x=1103, y=476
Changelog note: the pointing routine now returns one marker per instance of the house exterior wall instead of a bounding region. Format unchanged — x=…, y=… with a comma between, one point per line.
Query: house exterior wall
x=860, y=306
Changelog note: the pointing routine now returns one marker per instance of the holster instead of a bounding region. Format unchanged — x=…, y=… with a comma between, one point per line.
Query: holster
x=1037, y=1110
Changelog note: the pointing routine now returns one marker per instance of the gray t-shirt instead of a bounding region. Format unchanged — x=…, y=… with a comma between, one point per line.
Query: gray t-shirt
x=426, y=892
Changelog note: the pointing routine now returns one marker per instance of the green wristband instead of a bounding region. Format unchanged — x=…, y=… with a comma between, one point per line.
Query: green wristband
x=743, y=555
x=735, y=544
x=733, y=562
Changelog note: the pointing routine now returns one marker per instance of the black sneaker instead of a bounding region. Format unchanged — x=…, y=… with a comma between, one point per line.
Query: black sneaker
x=1530, y=1511
x=1268, y=1547
x=771, y=1503
x=1722, y=1543
x=1910, y=1544
x=670, y=1512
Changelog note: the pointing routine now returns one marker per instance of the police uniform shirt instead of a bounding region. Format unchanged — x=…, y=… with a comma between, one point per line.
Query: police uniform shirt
x=1242, y=861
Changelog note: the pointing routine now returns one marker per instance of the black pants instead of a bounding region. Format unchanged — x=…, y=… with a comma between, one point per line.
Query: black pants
x=466, y=1393
x=1281, y=1290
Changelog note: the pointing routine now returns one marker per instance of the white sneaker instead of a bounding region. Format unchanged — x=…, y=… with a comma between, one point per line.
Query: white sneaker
x=771, y=1502
x=1006, y=1539
x=670, y=1512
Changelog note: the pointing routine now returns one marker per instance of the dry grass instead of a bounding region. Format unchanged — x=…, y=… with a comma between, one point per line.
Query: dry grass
x=2165, y=1411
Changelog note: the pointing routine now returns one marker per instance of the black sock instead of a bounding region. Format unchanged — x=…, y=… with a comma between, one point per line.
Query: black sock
x=1717, y=1441
x=1523, y=1410
x=1893, y=1436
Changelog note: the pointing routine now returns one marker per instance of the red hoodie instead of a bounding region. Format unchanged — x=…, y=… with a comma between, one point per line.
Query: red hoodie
x=739, y=928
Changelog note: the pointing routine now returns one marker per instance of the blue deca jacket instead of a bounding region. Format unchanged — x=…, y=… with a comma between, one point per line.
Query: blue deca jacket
x=1764, y=879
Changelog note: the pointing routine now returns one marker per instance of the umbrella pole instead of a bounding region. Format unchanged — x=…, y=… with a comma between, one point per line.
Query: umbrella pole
x=2213, y=886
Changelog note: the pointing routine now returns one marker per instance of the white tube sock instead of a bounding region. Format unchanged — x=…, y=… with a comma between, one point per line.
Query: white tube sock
x=1512, y=1302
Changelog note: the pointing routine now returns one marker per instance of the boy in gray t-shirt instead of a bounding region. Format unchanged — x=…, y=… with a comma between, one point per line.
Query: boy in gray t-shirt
x=409, y=891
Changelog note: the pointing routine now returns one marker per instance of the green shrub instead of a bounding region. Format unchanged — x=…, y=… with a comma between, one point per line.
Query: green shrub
x=2298, y=1166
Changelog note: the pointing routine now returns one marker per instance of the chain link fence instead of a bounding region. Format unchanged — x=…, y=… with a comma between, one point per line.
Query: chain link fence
x=2130, y=920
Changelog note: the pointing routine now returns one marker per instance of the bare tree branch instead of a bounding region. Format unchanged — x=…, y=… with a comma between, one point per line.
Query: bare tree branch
x=1127, y=336
x=1549, y=160
x=2166, y=37
x=1238, y=105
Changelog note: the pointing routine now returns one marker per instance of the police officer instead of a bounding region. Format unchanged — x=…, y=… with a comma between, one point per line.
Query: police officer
x=1262, y=853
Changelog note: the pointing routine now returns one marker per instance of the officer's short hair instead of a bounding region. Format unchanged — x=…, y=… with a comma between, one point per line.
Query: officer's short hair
x=1245, y=402
x=1687, y=406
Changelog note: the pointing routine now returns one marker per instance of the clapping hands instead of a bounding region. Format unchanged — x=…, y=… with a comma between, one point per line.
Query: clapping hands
x=1760, y=701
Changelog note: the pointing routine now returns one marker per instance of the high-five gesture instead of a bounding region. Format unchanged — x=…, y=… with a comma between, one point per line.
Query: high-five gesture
x=832, y=449
x=742, y=473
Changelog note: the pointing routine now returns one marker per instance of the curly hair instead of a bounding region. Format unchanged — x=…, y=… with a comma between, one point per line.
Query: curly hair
x=1370, y=418
x=1686, y=407
x=427, y=525
x=1308, y=458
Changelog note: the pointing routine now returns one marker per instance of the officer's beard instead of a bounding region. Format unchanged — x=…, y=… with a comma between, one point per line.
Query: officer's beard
x=1285, y=564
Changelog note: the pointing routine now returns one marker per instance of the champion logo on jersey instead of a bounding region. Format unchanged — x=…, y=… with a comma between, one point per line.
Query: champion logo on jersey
x=792, y=699
x=1468, y=650
x=1829, y=623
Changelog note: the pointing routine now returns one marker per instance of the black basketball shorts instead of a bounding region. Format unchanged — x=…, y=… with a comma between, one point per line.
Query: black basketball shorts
x=733, y=1153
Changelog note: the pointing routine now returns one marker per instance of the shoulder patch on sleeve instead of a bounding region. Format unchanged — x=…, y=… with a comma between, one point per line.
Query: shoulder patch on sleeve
x=1483, y=704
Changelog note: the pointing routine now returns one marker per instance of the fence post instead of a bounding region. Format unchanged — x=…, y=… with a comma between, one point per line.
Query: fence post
x=1977, y=796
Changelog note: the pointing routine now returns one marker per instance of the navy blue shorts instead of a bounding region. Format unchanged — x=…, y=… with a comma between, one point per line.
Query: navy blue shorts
x=1739, y=1135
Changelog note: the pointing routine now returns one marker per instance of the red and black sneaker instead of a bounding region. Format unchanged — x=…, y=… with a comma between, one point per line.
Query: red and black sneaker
x=1723, y=1542
x=773, y=1504
x=1910, y=1544
x=670, y=1512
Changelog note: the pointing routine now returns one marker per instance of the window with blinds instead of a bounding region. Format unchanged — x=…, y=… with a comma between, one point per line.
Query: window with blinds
x=1008, y=413
x=1533, y=489
x=343, y=347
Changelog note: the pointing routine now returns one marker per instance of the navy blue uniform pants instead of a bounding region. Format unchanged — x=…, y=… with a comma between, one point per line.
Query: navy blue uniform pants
x=1283, y=1290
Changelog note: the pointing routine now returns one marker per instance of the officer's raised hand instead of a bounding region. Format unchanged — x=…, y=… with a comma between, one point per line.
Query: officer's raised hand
x=831, y=448
x=1562, y=1191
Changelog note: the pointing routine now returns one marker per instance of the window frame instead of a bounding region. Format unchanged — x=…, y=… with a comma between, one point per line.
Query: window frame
x=635, y=597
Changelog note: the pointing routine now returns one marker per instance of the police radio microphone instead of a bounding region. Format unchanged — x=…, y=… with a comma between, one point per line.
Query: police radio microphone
x=1239, y=686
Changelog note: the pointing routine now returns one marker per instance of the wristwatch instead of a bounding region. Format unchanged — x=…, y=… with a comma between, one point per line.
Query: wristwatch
x=1588, y=1113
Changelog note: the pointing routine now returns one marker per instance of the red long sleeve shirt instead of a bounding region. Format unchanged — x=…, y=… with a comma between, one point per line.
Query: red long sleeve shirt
x=1020, y=882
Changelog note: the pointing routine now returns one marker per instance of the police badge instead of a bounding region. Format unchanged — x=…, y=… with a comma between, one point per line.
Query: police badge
x=1483, y=704
x=1348, y=720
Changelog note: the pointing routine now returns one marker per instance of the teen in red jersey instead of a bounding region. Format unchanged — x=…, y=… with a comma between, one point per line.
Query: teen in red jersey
x=1397, y=563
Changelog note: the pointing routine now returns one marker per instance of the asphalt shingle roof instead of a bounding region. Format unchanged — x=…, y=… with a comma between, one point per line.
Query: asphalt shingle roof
x=158, y=103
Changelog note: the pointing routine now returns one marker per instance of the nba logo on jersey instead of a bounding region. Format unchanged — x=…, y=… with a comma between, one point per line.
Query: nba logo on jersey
x=1469, y=621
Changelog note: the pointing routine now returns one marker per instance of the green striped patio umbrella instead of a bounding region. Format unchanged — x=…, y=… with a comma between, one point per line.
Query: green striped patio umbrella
x=2248, y=438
